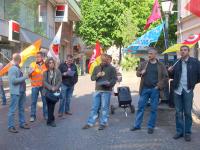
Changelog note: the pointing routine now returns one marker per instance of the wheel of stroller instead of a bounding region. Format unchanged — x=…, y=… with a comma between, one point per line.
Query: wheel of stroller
x=112, y=109
x=132, y=107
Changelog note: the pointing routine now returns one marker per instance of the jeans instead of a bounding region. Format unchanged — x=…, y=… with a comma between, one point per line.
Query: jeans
x=183, y=106
x=147, y=93
x=100, y=98
x=34, y=97
x=2, y=94
x=66, y=92
x=14, y=101
x=50, y=108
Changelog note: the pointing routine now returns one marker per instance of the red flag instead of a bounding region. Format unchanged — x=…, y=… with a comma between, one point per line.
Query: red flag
x=95, y=58
x=194, y=7
x=155, y=15
x=192, y=39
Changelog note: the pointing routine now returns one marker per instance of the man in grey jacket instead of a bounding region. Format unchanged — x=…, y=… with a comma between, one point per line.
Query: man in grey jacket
x=18, y=94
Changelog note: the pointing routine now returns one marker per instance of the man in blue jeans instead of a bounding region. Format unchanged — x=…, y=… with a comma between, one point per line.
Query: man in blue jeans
x=18, y=95
x=69, y=78
x=186, y=74
x=105, y=77
x=153, y=79
x=37, y=69
x=2, y=92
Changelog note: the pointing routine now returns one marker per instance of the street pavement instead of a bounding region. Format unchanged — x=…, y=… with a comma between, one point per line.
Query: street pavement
x=68, y=134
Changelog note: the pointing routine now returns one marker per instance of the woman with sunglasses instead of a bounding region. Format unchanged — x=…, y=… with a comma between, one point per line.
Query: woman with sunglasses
x=52, y=81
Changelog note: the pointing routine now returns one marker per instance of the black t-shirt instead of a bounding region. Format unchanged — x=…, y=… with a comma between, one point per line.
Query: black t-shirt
x=151, y=76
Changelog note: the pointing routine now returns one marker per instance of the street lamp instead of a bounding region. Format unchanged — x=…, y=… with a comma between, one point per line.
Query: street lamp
x=167, y=6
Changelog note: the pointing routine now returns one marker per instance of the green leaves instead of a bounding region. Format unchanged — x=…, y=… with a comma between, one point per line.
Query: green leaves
x=117, y=22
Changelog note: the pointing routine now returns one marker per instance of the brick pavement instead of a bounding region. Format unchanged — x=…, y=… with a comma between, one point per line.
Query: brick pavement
x=68, y=134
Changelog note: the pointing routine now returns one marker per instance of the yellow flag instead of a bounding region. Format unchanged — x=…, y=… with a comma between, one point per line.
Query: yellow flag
x=30, y=51
x=176, y=48
x=25, y=54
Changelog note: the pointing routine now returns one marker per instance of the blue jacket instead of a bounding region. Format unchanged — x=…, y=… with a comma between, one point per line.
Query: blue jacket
x=15, y=80
x=193, y=73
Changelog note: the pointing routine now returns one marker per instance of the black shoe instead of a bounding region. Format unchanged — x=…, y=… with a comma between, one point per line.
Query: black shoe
x=134, y=129
x=187, y=137
x=52, y=124
x=87, y=126
x=25, y=126
x=150, y=131
x=12, y=130
x=102, y=127
x=177, y=136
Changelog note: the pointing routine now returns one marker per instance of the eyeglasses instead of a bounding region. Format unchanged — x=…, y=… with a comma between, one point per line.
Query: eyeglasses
x=51, y=62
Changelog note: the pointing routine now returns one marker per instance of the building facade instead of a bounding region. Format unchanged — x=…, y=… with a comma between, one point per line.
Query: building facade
x=187, y=24
x=33, y=26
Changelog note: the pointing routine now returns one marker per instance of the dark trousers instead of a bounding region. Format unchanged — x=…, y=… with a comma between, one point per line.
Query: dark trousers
x=50, y=108
x=183, y=106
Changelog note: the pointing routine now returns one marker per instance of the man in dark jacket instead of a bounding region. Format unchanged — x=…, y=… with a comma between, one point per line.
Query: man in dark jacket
x=105, y=77
x=186, y=75
x=154, y=77
x=69, y=78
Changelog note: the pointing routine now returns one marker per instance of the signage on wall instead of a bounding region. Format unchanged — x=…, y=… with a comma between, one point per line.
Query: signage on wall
x=14, y=31
x=61, y=13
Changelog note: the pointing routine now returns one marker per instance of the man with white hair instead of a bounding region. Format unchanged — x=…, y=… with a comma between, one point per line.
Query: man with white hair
x=2, y=92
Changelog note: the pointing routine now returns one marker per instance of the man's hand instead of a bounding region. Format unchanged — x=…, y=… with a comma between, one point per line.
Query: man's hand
x=170, y=69
x=30, y=71
x=53, y=89
x=143, y=72
x=64, y=73
x=100, y=74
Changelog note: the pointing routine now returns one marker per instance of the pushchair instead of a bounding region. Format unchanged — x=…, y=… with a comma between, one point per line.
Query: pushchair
x=124, y=99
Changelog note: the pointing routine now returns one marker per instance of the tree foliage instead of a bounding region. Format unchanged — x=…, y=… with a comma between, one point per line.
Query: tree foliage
x=117, y=22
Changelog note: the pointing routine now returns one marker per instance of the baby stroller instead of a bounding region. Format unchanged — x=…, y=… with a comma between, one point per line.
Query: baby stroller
x=124, y=100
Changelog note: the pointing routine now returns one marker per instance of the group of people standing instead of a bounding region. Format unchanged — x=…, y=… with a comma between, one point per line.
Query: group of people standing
x=45, y=78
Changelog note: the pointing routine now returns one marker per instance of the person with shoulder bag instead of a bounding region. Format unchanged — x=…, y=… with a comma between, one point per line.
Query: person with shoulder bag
x=51, y=81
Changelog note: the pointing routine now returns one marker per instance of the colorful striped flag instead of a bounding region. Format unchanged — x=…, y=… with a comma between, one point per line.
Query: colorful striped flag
x=95, y=59
x=25, y=54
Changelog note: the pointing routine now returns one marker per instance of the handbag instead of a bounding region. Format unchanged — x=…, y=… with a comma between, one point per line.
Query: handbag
x=53, y=96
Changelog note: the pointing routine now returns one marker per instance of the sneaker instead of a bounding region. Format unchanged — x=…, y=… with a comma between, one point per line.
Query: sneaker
x=102, y=127
x=12, y=130
x=187, y=137
x=68, y=113
x=32, y=119
x=25, y=126
x=177, y=136
x=150, y=131
x=87, y=126
x=134, y=129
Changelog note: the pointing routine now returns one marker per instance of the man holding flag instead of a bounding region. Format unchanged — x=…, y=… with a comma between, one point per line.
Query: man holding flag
x=17, y=87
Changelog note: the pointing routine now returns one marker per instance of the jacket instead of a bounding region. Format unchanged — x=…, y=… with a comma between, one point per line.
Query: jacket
x=67, y=79
x=37, y=75
x=110, y=75
x=57, y=80
x=193, y=73
x=162, y=75
x=15, y=80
